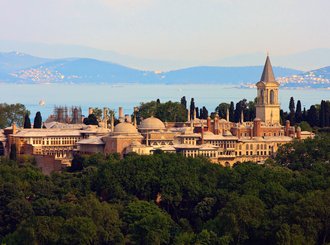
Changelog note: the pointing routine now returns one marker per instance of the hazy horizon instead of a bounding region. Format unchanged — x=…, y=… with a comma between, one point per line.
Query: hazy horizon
x=173, y=33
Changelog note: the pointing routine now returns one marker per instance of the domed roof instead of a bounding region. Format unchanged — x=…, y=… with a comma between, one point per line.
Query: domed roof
x=227, y=133
x=125, y=128
x=152, y=123
x=257, y=119
x=208, y=133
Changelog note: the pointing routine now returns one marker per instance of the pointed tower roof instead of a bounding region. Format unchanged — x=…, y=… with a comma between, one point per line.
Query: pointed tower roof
x=267, y=74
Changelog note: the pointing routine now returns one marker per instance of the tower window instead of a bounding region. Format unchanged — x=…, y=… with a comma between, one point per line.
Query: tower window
x=272, y=97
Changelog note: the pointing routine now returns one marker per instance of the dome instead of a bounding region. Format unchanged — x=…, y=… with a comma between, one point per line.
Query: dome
x=208, y=133
x=298, y=129
x=257, y=119
x=152, y=123
x=125, y=128
x=227, y=133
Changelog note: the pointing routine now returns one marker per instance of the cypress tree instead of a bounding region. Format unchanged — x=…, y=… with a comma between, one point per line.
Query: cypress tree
x=37, y=120
x=27, y=122
x=298, y=114
x=201, y=115
x=238, y=111
x=192, y=108
x=322, y=121
x=205, y=113
x=304, y=115
x=312, y=116
x=231, y=112
x=327, y=113
x=184, y=102
x=197, y=112
x=292, y=111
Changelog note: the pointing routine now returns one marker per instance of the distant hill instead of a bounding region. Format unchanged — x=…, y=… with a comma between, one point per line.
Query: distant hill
x=79, y=70
x=16, y=67
x=12, y=61
x=224, y=75
x=319, y=78
x=322, y=72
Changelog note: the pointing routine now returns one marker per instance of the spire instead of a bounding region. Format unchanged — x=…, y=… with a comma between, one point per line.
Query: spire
x=267, y=74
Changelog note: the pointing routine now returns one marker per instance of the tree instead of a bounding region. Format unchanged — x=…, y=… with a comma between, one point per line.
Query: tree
x=205, y=113
x=232, y=112
x=251, y=110
x=166, y=112
x=192, y=108
x=292, y=111
x=97, y=112
x=312, y=116
x=222, y=109
x=305, y=126
x=37, y=120
x=304, y=115
x=78, y=230
x=298, y=114
x=197, y=112
x=147, y=223
x=241, y=106
x=27, y=122
x=13, y=113
x=183, y=102
x=91, y=120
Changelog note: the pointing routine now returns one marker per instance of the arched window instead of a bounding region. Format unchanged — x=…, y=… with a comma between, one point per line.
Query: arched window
x=262, y=96
x=272, y=99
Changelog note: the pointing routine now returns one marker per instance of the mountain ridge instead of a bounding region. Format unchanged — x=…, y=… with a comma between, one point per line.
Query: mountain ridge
x=31, y=69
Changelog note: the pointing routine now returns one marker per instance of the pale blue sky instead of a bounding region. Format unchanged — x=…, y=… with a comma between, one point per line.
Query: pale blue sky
x=193, y=30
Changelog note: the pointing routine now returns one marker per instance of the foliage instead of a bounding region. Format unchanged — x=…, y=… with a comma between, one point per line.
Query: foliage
x=91, y=120
x=13, y=113
x=37, y=120
x=170, y=199
x=167, y=112
x=27, y=122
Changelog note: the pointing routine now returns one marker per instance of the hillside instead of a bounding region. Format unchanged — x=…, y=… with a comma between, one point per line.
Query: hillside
x=17, y=67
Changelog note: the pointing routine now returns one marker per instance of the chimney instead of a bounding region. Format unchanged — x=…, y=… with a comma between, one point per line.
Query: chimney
x=298, y=133
x=227, y=114
x=105, y=117
x=121, y=114
x=257, y=127
x=135, y=110
x=209, y=124
x=242, y=117
x=14, y=127
x=216, y=124
x=112, y=122
x=287, y=127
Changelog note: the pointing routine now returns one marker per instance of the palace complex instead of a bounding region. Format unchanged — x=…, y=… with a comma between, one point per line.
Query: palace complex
x=218, y=139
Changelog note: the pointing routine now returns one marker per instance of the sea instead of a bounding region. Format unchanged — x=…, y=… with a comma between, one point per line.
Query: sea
x=44, y=97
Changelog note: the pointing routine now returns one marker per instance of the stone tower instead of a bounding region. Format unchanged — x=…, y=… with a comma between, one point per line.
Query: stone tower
x=268, y=107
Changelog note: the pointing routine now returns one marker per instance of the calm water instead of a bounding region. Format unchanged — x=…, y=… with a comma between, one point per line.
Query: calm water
x=128, y=96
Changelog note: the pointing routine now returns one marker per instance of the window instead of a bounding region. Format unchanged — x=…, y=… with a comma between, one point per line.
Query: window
x=272, y=97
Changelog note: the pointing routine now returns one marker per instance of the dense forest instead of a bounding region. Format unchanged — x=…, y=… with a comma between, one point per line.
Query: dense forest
x=169, y=199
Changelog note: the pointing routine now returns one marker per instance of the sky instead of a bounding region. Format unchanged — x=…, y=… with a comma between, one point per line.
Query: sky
x=191, y=30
